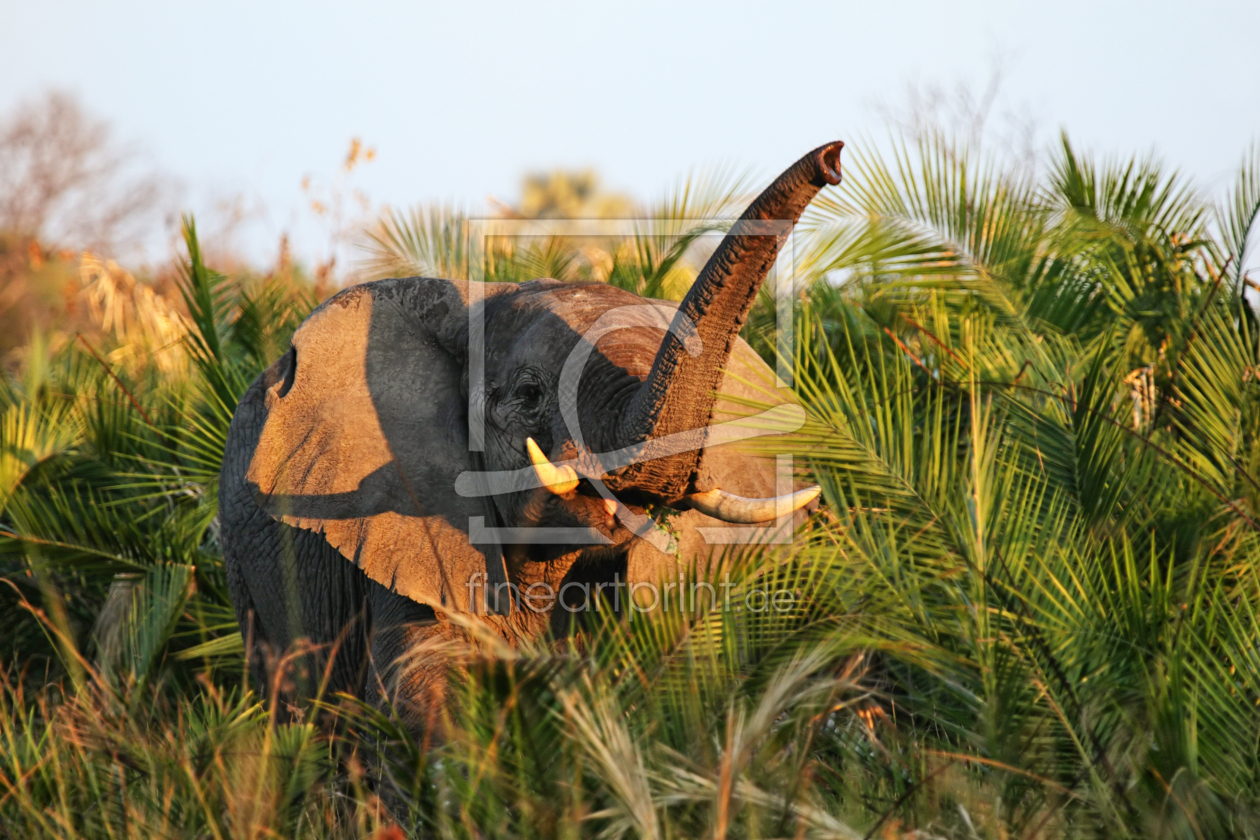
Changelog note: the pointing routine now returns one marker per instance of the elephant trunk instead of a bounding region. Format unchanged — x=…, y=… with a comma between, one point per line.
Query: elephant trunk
x=680, y=391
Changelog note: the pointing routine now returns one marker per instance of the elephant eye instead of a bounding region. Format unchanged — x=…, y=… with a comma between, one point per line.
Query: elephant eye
x=529, y=393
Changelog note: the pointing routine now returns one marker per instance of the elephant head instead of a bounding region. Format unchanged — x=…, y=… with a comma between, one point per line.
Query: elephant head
x=443, y=435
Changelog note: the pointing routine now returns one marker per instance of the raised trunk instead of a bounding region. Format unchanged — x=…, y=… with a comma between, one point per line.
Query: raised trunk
x=680, y=392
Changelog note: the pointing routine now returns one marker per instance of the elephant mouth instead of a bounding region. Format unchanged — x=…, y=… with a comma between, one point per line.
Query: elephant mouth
x=583, y=508
x=595, y=532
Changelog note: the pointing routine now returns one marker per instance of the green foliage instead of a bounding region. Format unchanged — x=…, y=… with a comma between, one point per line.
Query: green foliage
x=108, y=478
x=1029, y=608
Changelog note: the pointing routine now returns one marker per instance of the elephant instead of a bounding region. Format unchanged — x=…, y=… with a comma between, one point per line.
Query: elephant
x=429, y=455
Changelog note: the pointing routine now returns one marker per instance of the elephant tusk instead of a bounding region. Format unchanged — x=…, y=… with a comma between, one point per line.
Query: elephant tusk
x=731, y=508
x=558, y=480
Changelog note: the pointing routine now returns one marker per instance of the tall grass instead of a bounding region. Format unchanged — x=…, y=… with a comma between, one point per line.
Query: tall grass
x=1028, y=609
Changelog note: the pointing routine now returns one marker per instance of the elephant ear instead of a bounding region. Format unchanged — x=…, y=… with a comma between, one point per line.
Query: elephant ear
x=366, y=432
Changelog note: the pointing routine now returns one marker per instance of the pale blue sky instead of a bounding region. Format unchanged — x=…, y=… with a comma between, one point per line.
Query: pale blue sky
x=460, y=99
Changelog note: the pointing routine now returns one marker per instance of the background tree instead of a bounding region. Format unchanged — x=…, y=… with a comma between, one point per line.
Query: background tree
x=66, y=186
x=65, y=181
